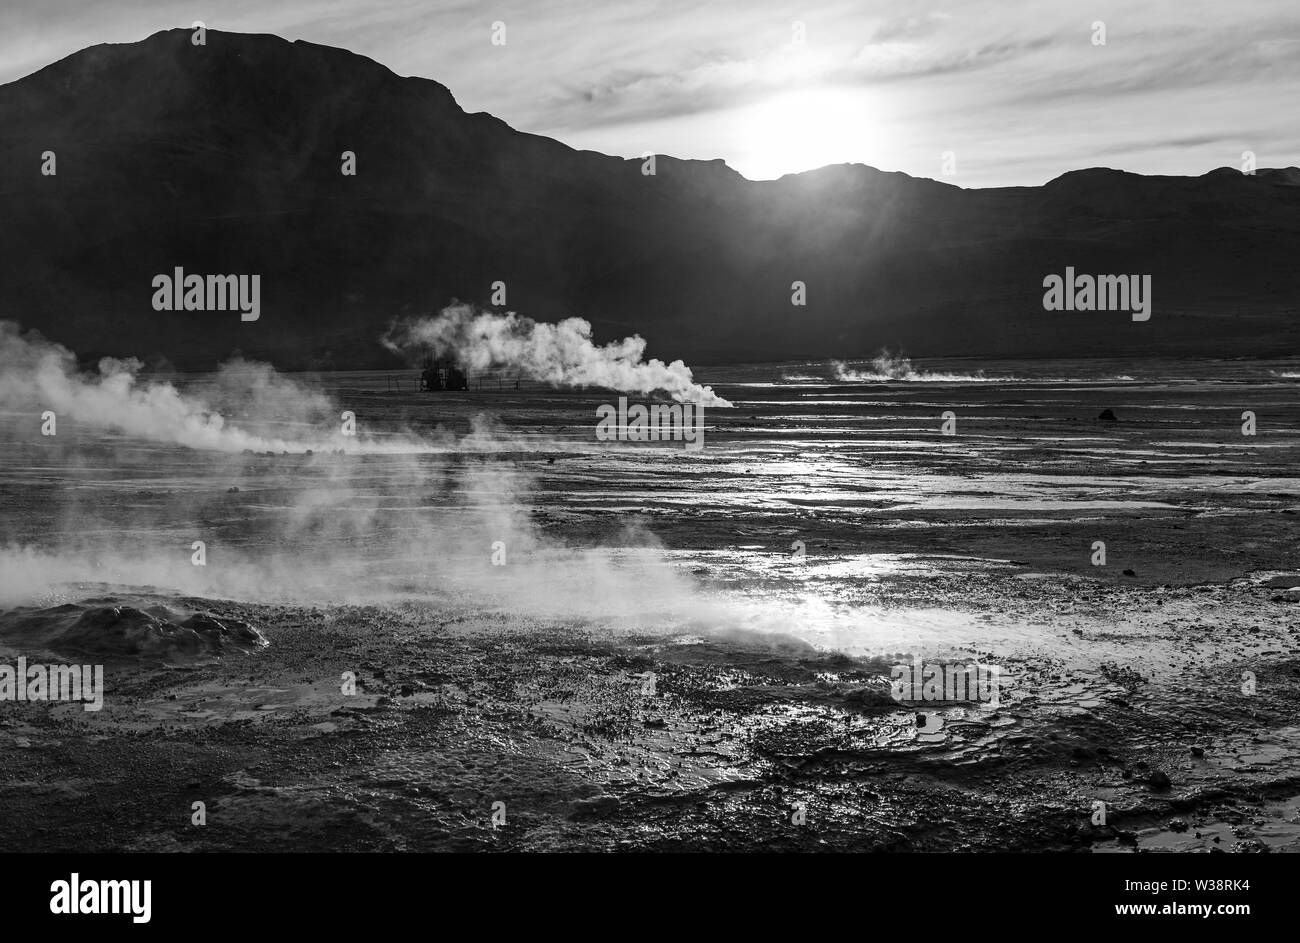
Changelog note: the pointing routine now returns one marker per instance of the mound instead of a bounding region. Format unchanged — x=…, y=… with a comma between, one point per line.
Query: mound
x=108, y=628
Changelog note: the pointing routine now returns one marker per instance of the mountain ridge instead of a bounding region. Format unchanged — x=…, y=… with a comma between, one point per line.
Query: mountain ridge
x=225, y=158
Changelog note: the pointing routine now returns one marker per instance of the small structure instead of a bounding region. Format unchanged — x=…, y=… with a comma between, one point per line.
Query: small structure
x=442, y=375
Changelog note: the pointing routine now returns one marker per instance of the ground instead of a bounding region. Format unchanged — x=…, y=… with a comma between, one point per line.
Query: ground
x=742, y=703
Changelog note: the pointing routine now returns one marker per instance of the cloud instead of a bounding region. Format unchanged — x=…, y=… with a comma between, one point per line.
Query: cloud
x=983, y=78
x=910, y=27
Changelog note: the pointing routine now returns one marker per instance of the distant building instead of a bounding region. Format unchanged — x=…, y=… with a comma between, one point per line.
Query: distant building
x=442, y=375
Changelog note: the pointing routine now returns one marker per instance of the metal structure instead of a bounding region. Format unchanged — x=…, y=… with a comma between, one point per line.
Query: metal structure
x=442, y=375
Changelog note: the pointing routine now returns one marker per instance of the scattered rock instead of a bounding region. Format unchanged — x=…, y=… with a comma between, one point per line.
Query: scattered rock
x=1251, y=846
x=594, y=807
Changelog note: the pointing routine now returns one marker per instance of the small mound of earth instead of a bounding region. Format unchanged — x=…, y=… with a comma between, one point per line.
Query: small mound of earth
x=110, y=628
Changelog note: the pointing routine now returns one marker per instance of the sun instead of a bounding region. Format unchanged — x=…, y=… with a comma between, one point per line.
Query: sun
x=804, y=129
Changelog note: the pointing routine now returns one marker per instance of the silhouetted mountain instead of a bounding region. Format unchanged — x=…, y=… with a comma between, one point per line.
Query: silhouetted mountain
x=226, y=158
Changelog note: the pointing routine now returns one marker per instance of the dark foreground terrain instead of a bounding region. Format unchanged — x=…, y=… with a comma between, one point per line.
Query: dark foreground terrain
x=453, y=716
x=653, y=666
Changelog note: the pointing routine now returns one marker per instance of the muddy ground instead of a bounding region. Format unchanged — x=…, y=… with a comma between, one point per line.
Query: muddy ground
x=1161, y=690
x=723, y=750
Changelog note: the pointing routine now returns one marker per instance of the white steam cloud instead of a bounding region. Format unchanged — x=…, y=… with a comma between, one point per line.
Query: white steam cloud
x=559, y=354
x=36, y=373
x=398, y=518
x=887, y=367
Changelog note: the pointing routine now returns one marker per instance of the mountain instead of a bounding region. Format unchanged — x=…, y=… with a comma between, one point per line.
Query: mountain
x=225, y=159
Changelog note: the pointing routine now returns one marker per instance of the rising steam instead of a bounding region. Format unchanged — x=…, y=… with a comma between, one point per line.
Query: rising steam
x=400, y=517
x=36, y=373
x=559, y=354
x=891, y=367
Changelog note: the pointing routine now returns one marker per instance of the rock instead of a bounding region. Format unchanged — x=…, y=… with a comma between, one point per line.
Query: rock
x=407, y=690
x=1107, y=415
x=125, y=631
x=593, y=808
x=1198, y=751
x=1177, y=825
x=1251, y=846
x=232, y=490
x=1129, y=573
x=1159, y=781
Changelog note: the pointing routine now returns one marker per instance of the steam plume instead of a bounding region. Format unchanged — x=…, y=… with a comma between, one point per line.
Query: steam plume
x=559, y=354
x=886, y=366
x=39, y=374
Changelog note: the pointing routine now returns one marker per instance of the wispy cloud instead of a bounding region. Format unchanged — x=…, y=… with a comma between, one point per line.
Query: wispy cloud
x=1016, y=89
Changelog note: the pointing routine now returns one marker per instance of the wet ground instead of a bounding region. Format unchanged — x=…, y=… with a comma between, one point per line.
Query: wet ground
x=639, y=647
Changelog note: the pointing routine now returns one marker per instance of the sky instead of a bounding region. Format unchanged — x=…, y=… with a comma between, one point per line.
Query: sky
x=977, y=93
